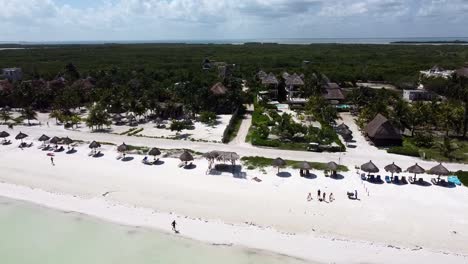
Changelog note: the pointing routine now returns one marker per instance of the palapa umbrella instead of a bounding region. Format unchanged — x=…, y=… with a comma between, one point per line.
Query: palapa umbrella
x=154, y=152
x=67, y=141
x=392, y=168
x=94, y=145
x=416, y=169
x=304, y=165
x=122, y=148
x=369, y=167
x=4, y=134
x=43, y=138
x=186, y=157
x=21, y=136
x=439, y=170
x=279, y=162
x=55, y=140
x=332, y=166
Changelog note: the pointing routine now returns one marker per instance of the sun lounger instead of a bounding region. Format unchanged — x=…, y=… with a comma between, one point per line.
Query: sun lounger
x=421, y=181
x=434, y=181
x=443, y=182
x=387, y=179
x=97, y=154
x=256, y=179
x=378, y=179
x=454, y=180
x=351, y=195
x=371, y=178
x=363, y=177
x=396, y=180
x=411, y=180
x=403, y=180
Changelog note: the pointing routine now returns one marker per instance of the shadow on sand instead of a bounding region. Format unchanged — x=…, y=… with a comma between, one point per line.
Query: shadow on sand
x=127, y=159
x=284, y=174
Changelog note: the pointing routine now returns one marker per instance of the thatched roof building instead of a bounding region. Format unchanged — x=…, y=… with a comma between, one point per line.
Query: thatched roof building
x=270, y=80
x=218, y=89
x=382, y=132
x=294, y=80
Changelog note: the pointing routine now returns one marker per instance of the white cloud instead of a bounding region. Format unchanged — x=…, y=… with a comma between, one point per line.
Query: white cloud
x=155, y=19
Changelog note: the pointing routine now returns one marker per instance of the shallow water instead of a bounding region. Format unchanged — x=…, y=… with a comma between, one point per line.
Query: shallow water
x=33, y=234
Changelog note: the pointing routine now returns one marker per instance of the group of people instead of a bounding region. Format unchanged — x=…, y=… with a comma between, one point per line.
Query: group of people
x=322, y=197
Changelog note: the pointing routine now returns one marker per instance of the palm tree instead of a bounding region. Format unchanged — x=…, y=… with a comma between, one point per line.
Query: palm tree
x=447, y=147
x=57, y=114
x=29, y=114
x=5, y=115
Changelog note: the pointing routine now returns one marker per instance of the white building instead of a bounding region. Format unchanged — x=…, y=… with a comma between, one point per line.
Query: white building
x=417, y=95
x=437, y=72
x=12, y=74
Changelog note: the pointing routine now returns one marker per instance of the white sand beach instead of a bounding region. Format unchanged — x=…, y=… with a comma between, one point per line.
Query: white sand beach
x=389, y=224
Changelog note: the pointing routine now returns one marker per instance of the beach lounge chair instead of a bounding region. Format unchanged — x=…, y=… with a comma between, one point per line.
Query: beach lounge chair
x=378, y=179
x=421, y=181
x=387, y=179
x=434, y=181
x=363, y=177
x=403, y=180
x=443, y=182
x=396, y=180
x=97, y=154
x=411, y=180
x=454, y=180
x=257, y=179
x=350, y=195
x=6, y=142
x=371, y=178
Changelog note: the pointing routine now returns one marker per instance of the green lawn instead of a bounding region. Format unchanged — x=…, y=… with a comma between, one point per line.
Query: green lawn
x=261, y=162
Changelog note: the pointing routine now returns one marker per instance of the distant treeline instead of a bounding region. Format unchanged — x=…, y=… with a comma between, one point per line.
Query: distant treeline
x=398, y=64
x=432, y=42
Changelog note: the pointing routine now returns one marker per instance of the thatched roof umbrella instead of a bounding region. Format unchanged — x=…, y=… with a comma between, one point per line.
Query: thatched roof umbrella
x=186, y=157
x=55, y=140
x=279, y=163
x=392, y=168
x=304, y=165
x=67, y=141
x=94, y=145
x=228, y=156
x=332, y=166
x=122, y=148
x=219, y=89
x=21, y=136
x=4, y=134
x=369, y=167
x=154, y=152
x=416, y=169
x=439, y=170
x=43, y=139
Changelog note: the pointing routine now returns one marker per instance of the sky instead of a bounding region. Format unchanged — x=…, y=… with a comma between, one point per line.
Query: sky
x=120, y=20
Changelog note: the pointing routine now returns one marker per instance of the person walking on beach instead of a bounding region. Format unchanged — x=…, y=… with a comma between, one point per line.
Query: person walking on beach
x=331, y=198
x=309, y=197
x=52, y=161
x=318, y=195
x=324, y=197
x=174, y=226
x=355, y=194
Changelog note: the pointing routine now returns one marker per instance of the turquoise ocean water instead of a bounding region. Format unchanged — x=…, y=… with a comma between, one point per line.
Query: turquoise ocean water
x=32, y=234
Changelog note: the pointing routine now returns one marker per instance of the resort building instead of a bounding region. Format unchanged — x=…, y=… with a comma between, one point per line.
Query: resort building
x=333, y=93
x=12, y=74
x=270, y=82
x=417, y=95
x=463, y=72
x=382, y=133
x=294, y=89
x=437, y=72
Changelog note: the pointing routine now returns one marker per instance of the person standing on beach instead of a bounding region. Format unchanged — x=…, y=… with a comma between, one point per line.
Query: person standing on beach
x=324, y=197
x=318, y=194
x=331, y=198
x=52, y=161
x=355, y=194
x=174, y=226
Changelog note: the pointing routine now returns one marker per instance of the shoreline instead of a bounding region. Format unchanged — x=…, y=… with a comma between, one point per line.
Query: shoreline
x=217, y=233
